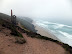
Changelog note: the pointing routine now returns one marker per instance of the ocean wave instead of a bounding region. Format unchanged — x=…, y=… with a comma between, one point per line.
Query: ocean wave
x=66, y=34
x=55, y=25
x=61, y=31
x=41, y=24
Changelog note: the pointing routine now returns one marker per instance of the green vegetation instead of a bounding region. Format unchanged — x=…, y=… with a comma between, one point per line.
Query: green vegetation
x=25, y=28
x=11, y=27
x=5, y=22
x=14, y=31
x=20, y=40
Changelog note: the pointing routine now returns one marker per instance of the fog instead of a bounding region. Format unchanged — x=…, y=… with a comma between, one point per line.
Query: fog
x=43, y=9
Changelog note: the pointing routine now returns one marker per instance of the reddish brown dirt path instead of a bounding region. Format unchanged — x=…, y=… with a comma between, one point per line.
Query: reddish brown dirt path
x=38, y=46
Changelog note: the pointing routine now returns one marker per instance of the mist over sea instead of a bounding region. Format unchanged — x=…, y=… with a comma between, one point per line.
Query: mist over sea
x=61, y=29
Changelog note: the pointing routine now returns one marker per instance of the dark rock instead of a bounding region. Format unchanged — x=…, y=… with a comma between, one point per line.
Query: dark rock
x=8, y=45
x=0, y=30
x=6, y=35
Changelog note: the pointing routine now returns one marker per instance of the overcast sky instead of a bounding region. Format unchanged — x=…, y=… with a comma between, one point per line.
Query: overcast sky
x=38, y=8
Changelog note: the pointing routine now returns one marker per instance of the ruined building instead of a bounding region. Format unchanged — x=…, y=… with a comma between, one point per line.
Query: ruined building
x=13, y=18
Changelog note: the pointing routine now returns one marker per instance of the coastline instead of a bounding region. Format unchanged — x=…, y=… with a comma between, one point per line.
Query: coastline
x=43, y=32
x=24, y=43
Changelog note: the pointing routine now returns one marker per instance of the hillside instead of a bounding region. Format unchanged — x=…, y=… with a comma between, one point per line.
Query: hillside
x=8, y=45
x=27, y=23
x=15, y=40
x=5, y=17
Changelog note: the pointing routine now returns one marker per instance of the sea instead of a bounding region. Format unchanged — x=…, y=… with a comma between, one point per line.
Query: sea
x=62, y=31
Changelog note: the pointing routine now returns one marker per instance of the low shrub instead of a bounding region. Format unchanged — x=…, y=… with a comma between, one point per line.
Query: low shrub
x=20, y=40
